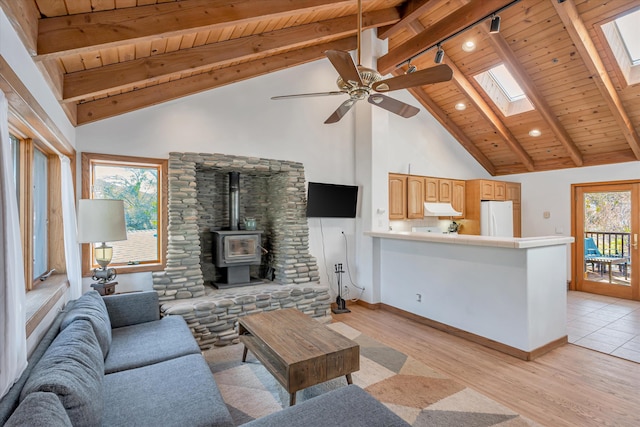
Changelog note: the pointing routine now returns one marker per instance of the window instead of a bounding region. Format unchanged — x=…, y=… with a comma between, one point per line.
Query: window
x=504, y=91
x=35, y=179
x=40, y=214
x=141, y=184
x=623, y=36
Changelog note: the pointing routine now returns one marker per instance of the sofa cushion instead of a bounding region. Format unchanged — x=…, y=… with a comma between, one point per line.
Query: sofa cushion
x=177, y=392
x=151, y=342
x=90, y=306
x=40, y=409
x=73, y=368
x=132, y=308
x=348, y=406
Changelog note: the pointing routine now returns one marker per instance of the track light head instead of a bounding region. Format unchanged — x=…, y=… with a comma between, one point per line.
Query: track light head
x=495, y=25
x=439, y=55
x=411, y=69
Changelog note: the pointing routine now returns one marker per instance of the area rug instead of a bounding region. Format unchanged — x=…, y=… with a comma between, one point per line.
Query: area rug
x=417, y=393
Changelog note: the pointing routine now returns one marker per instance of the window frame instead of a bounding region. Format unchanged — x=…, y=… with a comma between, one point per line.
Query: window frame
x=55, y=244
x=88, y=160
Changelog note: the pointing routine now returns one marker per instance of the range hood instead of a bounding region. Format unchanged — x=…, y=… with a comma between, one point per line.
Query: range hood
x=440, y=209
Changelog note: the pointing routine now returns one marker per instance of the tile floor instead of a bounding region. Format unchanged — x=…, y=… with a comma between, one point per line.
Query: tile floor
x=605, y=324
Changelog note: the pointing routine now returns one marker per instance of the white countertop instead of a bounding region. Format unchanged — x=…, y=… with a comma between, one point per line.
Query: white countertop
x=465, y=239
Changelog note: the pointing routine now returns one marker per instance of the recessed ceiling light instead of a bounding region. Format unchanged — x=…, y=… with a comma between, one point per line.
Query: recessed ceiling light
x=461, y=106
x=468, y=46
x=535, y=132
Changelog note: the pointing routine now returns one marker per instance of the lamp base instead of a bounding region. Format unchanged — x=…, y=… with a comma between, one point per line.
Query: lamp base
x=105, y=288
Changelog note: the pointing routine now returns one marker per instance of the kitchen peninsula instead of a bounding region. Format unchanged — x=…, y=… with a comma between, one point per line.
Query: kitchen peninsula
x=509, y=294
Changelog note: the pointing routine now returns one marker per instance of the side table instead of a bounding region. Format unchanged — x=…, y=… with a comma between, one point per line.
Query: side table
x=105, y=288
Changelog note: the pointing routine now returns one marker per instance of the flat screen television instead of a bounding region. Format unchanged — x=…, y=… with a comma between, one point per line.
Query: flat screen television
x=331, y=200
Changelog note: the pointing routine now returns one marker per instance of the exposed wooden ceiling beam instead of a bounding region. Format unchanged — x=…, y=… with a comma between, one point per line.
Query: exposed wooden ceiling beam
x=505, y=53
x=24, y=19
x=84, y=84
x=96, y=30
x=425, y=100
x=152, y=95
x=456, y=21
x=485, y=110
x=413, y=10
x=579, y=34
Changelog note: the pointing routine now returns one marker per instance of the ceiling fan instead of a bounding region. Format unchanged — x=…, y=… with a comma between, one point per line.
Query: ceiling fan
x=363, y=83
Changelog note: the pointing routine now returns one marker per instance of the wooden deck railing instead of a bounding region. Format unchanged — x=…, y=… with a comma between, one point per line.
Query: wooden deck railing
x=610, y=243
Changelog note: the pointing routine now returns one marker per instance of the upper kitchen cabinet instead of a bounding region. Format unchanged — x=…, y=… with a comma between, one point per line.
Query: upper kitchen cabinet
x=431, y=190
x=491, y=190
x=457, y=196
x=415, y=197
x=397, y=196
x=445, y=190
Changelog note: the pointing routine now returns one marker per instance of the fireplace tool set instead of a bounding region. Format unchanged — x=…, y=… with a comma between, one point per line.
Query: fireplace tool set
x=341, y=306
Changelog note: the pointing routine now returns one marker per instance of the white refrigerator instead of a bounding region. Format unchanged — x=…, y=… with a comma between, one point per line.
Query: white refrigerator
x=496, y=218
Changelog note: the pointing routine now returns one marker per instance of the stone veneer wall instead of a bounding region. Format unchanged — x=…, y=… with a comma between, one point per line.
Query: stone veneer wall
x=272, y=191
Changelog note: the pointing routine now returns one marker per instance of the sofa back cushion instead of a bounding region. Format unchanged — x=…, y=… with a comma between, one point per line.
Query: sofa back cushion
x=40, y=409
x=73, y=369
x=91, y=307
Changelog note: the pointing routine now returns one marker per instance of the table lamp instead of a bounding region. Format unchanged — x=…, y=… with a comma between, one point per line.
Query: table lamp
x=101, y=221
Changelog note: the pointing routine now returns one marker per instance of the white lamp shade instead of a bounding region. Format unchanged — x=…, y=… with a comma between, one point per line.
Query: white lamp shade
x=101, y=220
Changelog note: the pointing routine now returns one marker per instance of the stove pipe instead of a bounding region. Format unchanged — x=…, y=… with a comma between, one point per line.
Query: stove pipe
x=234, y=200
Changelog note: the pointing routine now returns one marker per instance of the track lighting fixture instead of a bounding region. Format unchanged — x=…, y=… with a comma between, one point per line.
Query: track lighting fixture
x=495, y=25
x=411, y=68
x=439, y=55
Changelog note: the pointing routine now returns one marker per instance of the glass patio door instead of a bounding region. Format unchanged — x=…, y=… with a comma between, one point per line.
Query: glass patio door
x=607, y=219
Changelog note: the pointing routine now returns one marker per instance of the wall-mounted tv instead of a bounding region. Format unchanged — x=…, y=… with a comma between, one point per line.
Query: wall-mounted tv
x=331, y=200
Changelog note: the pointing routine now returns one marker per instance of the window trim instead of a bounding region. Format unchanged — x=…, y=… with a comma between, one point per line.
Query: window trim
x=163, y=219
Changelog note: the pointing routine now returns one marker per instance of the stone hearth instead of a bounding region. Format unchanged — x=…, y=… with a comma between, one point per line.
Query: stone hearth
x=272, y=192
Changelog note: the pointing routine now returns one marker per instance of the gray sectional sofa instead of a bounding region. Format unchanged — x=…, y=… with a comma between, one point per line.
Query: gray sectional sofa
x=112, y=361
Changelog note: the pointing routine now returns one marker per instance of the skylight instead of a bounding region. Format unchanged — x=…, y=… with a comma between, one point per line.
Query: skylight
x=504, y=90
x=629, y=29
x=623, y=35
x=507, y=83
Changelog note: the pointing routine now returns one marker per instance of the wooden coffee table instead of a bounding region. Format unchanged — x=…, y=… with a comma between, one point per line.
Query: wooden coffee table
x=297, y=350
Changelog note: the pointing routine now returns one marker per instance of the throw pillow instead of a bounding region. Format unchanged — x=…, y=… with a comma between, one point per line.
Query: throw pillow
x=39, y=409
x=91, y=307
x=73, y=368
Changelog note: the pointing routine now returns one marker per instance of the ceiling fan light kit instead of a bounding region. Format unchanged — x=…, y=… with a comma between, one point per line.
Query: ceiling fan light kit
x=360, y=82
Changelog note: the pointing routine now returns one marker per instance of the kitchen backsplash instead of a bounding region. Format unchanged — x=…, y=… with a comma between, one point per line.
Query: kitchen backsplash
x=428, y=224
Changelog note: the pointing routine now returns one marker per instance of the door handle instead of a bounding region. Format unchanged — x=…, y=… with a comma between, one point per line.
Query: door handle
x=635, y=241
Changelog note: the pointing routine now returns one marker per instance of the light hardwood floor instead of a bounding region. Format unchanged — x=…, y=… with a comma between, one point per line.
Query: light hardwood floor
x=570, y=386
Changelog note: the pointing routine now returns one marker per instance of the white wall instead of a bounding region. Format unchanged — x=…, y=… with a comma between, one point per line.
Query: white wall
x=242, y=120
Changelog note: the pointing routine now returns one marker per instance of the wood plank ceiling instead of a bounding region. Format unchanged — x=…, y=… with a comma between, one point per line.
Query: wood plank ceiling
x=109, y=57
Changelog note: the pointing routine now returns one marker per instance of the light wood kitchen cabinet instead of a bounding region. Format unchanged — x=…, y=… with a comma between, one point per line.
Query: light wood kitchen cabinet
x=415, y=197
x=445, y=190
x=487, y=189
x=492, y=190
x=513, y=194
x=499, y=190
x=457, y=196
x=397, y=196
x=431, y=187
x=478, y=190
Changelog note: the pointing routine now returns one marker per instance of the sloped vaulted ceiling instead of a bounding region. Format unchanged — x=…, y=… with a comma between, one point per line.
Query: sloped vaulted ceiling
x=103, y=58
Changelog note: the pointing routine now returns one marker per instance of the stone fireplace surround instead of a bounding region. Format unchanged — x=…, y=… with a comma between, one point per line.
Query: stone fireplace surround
x=272, y=192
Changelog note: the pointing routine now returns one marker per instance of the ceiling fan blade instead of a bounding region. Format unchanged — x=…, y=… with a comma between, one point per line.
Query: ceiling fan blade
x=343, y=63
x=439, y=73
x=308, y=95
x=393, y=105
x=341, y=111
